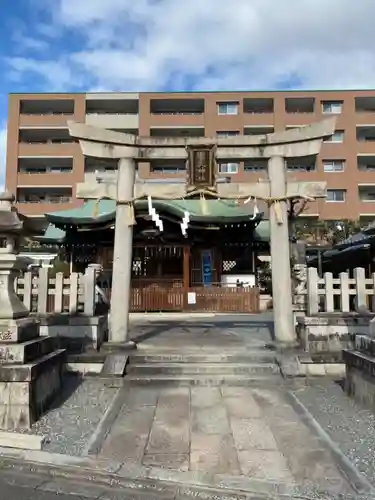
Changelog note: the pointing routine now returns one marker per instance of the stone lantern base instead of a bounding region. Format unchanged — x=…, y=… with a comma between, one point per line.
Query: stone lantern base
x=31, y=373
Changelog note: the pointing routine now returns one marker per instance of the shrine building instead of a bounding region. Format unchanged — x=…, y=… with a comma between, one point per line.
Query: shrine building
x=213, y=267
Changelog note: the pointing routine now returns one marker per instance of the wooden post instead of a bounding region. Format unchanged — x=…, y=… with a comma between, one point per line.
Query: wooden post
x=186, y=273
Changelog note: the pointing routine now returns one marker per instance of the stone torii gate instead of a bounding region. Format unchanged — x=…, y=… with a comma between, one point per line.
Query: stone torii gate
x=201, y=154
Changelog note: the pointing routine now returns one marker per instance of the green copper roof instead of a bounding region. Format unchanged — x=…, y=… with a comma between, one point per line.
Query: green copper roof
x=214, y=211
x=208, y=211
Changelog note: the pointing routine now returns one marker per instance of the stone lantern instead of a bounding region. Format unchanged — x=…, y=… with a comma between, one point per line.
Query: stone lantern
x=31, y=369
x=11, y=307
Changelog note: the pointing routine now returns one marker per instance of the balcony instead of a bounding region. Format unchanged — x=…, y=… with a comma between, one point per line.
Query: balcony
x=45, y=112
x=254, y=130
x=366, y=163
x=227, y=133
x=45, y=171
x=113, y=113
x=299, y=105
x=366, y=193
x=256, y=165
x=366, y=139
x=303, y=164
x=365, y=104
x=47, y=107
x=168, y=167
x=44, y=136
x=97, y=169
x=177, y=112
x=177, y=106
x=177, y=132
x=258, y=111
x=46, y=195
x=50, y=149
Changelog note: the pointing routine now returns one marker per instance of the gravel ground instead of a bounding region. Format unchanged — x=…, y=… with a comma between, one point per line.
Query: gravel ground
x=350, y=426
x=70, y=424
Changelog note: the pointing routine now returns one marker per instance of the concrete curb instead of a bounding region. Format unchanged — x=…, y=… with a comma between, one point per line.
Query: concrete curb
x=21, y=441
x=102, y=430
x=357, y=480
x=138, y=478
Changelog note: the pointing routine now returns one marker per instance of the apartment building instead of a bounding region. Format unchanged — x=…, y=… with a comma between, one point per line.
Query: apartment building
x=44, y=164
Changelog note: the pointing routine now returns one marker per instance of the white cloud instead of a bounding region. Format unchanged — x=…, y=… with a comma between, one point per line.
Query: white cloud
x=210, y=44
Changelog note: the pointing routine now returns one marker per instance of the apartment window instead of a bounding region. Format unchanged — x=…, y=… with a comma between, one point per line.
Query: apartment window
x=333, y=165
x=229, y=168
x=332, y=107
x=228, y=133
x=227, y=108
x=338, y=136
x=336, y=195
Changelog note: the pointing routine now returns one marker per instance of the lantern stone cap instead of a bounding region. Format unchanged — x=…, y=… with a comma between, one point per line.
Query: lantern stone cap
x=7, y=196
x=9, y=219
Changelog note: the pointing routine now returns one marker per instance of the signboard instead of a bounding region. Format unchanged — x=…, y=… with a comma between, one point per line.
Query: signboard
x=207, y=267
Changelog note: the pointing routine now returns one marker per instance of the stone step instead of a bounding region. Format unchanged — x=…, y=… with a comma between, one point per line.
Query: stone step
x=27, y=351
x=202, y=368
x=256, y=356
x=30, y=371
x=205, y=380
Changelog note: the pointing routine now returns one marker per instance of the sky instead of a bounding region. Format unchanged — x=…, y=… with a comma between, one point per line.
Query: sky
x=155, y=45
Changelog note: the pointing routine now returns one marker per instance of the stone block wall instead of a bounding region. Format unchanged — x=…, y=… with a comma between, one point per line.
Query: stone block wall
x=324, y=336
x=360, y=370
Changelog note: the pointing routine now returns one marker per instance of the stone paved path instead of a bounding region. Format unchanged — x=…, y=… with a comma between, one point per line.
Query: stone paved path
x=233, y=431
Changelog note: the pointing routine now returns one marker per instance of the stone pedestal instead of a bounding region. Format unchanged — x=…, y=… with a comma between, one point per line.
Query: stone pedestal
x=31, y=372
x=360, y=370
x=327, y=334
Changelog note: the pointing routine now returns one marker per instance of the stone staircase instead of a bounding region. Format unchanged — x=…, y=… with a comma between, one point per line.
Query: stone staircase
x=248, y=368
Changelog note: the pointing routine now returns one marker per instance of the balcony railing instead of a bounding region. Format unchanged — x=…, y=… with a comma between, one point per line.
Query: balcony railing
x=45, y=199
x=46, y=113
x=177, y=113
x=46, y=170
x=46, y=141
x=109, y=112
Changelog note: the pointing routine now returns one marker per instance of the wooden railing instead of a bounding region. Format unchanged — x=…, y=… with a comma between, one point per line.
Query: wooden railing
x=43, y=294
x=174, y=297
x=342, y=294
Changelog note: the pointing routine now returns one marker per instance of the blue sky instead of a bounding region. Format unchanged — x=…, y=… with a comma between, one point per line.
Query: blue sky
x=72, y=45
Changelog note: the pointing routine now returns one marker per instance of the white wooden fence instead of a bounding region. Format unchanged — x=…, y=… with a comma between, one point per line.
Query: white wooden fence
x=342, y=294
x=43, y=294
